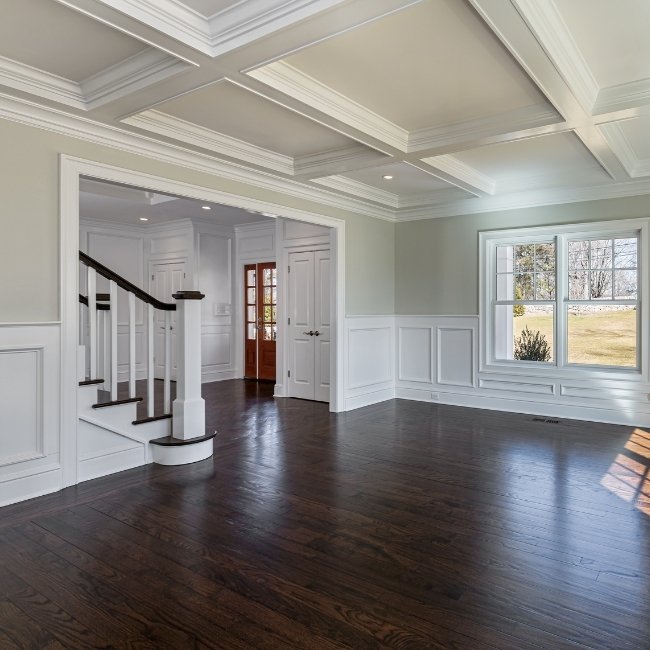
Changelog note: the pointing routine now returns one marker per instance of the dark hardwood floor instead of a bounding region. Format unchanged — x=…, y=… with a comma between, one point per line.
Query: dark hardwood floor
x=401, y=525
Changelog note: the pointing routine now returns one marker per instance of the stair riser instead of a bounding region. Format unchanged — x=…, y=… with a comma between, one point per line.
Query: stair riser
x=119, y=415
x=182, y=454
x=86, y=397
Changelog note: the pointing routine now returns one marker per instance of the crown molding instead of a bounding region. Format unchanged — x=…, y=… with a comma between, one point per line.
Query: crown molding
x=454, y=170
x=226, y=30
x=336, y=161
x=291, y=81
x=357, y=188
x=247, y=21
x=189, y=133
x=615, y=135
x=546, y=22
x=128, y=76
x=255, y=225
x=527, y=199
x=169, y=17
x=83, y=128
x=622, y=96
x=25, y=78
x=519, y=119
x=621, y=147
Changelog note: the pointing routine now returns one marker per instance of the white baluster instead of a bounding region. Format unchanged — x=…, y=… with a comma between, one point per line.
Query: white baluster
x=168, y=360
x=106, y=352
x=131, y=344
x=92, y=321
x=150, y=361
x=113, y=297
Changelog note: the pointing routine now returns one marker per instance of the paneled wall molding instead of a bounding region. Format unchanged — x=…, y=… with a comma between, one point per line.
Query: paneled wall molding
x=30, y=428
x=435, y=359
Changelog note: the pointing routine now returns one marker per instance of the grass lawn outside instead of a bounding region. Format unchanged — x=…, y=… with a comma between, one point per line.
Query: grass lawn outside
x=606, y=338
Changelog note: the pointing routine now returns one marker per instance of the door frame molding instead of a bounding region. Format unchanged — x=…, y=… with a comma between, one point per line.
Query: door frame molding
x=71, y=169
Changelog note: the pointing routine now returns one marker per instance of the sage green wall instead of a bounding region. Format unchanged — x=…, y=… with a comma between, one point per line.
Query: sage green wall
x=29, y=221
x=436, y=260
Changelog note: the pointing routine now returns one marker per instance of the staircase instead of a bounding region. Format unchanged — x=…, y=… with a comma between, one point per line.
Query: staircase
x=128, y=424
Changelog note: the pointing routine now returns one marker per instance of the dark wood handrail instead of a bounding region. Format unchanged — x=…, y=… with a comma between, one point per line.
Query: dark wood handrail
x=125, y=284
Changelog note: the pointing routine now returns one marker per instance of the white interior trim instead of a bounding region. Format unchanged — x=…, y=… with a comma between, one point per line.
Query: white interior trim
x=72, y=169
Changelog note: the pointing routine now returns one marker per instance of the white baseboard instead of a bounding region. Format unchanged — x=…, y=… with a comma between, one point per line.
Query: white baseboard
x=31, y=486
x=208, y=376
x=632, y=416
x=366, y=399
x=105, y=464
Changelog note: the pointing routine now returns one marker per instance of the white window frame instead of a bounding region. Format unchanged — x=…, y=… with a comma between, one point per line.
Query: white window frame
x=488, y=242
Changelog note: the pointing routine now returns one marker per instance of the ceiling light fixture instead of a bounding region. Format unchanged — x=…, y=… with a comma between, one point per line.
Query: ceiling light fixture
x=144, y=218
x=387, y=177
x=206, y=207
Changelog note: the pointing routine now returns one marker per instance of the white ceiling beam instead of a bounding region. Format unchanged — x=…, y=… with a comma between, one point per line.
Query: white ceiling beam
x=527, y=29
x=452, y=170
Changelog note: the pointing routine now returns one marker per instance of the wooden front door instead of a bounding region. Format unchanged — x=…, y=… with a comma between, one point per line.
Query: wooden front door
x=260, y=324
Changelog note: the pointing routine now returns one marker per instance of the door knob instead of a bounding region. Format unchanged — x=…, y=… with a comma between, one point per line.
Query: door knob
x=316, y=333
x=310, y=333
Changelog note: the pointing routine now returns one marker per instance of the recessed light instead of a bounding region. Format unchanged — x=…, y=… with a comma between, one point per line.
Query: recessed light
x=387, y=177
x=206, y=207
x=144, y=218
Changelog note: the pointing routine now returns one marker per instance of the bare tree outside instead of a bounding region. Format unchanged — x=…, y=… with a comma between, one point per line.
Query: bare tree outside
x=601, y=269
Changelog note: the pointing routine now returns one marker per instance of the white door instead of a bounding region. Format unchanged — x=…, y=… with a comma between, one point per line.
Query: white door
x=166, y=279
x=309, y=327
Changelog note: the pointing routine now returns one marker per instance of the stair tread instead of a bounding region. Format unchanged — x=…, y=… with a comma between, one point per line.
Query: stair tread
x=153, y=418
x=170, y=441
x=117, y=402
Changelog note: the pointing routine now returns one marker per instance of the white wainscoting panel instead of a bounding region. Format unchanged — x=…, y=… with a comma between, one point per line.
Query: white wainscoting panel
x=370, y=345
x=455, y=352
x=415, y=354
x=538, y=391
x=30, y=442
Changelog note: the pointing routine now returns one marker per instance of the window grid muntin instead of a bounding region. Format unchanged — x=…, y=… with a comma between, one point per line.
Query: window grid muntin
x=535, y=243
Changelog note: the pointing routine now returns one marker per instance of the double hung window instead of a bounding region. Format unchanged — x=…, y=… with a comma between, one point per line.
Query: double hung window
x=568, y=297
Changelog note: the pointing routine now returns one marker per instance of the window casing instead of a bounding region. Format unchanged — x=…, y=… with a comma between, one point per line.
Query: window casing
x=587, y=288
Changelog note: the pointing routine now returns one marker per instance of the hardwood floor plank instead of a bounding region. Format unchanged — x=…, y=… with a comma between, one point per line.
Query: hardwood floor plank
x=400, y=525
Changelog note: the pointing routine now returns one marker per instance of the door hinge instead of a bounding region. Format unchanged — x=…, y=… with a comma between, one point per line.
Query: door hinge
x=288, y=373
x=289, y=320
x=184, y=276
x=152, y=277
x=288, y=269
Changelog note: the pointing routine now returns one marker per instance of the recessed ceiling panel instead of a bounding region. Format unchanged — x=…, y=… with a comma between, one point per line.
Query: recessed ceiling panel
x=405, y=180
x=612, y=36
x=229, y=109
x=431, y=64
x=49, y=36
x=547, y=161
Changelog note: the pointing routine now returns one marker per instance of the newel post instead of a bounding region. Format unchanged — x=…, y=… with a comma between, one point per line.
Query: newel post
x=189, y=407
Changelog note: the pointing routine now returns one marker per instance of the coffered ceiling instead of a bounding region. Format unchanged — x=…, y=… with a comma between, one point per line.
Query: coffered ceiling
x=401, y=109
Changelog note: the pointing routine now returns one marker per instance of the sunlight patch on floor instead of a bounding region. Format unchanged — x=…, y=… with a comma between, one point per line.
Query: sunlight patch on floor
x=628, y=477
